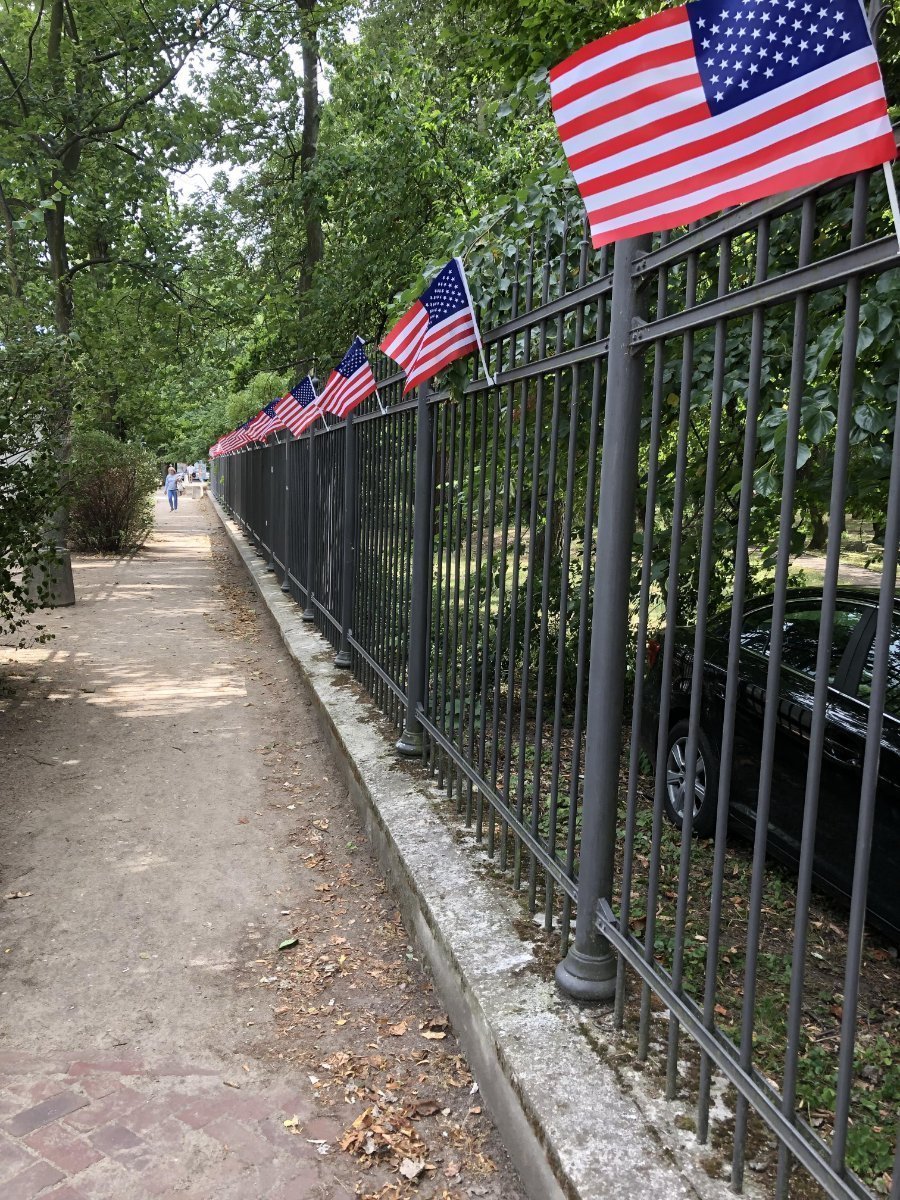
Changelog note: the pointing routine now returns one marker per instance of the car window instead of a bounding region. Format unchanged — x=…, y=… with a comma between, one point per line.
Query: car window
x=800, y=645
x=755, y=632
x=892, y=693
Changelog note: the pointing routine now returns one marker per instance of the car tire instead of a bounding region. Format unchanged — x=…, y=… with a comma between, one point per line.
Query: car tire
x=706, y=787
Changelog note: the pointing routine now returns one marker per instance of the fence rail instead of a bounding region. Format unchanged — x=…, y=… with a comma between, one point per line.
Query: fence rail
x=493, y=564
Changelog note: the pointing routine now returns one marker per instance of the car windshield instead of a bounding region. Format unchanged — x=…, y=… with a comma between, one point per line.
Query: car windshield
x=892, y=693
x=800, y=644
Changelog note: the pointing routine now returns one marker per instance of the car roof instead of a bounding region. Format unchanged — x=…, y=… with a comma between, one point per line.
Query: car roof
x=864, y=595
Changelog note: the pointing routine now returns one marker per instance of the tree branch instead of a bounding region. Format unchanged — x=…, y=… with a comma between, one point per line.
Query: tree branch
x=15, y=93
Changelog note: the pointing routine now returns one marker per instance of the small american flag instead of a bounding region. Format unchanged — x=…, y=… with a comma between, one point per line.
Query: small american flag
x=300, y=408
x=715, y=103
x=438, y=329
x=350, y=383
x=264, y=423
x=242, y=436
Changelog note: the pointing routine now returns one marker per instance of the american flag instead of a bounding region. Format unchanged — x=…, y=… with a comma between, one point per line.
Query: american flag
x=715, y=103
x=300, y=407
x=264, y=423
x=240, y=437
x=438, y=329
x=350, y=383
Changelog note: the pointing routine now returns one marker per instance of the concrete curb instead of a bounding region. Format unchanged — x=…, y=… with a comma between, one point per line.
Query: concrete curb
x=569, y=1127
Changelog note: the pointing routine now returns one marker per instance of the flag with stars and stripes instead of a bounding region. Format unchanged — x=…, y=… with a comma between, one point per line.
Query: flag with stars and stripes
x=300, y=408
x=438, y=329
x=716, y=103
x=264, y=423
x=242, y=436
x=350, y=382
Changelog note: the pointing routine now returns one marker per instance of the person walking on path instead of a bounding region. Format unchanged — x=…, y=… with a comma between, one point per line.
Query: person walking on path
x=172, y=488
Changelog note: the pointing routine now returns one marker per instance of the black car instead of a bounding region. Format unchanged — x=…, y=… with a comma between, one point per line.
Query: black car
x=845, y=737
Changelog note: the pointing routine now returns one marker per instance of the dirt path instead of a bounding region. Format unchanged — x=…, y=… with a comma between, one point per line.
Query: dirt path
x=170, y=814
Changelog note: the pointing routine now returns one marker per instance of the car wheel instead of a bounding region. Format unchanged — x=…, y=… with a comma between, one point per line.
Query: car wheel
x=706, y=783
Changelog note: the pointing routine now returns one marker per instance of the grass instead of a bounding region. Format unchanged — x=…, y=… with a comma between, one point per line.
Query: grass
x=876, y=1087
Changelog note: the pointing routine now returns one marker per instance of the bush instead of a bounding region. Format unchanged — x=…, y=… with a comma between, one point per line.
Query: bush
x=110, y=485
x=29, y=371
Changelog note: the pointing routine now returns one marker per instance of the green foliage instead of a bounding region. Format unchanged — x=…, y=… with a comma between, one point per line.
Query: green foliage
x=29, y=369
x=110, y=484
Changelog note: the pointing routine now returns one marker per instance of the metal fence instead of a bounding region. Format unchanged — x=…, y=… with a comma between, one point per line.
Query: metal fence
x=493, y=565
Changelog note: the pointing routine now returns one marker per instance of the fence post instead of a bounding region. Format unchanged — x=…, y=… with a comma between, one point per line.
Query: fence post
x=348, y=550
x=286, y=500
x=588, y=972
x=410, y=744
x=309, y=613
x=269, y=460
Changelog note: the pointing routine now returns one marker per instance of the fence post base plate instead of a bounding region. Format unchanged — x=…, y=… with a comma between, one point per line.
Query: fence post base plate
x=342, y=659
x=587, y=977
x=409, y=744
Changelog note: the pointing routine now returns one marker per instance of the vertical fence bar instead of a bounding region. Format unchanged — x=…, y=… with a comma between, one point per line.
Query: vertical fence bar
x=588, y=971
x=309, y=613
x=348, y=552
x=410, y=741
x=268, y=457
x=285, y=499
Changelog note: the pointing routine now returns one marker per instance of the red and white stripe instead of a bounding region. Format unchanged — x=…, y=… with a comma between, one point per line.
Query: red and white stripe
x=342, y=394
x=403, y=342
x=421, y=349
x=296, y=418
x=648, y=154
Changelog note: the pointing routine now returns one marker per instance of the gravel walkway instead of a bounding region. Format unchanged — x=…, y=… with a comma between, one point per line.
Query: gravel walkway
x=169, y=818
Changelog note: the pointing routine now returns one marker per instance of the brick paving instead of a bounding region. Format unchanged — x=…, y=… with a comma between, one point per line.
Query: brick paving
x=108, y=1129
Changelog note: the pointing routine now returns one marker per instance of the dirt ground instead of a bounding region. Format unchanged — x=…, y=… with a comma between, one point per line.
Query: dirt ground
x=169, y=818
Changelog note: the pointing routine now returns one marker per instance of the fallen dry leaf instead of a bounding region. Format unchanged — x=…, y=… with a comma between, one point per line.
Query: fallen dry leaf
x=412, y=1168
x=424, y=1108
x=399, y=1029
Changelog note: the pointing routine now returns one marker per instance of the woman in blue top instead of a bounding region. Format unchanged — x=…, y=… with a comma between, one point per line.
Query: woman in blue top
x=172, y=488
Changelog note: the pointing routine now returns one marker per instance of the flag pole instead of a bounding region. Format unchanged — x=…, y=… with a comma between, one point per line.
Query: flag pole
x=380, y=405
x=874, y=17
x=892, y=198
x=462, y=272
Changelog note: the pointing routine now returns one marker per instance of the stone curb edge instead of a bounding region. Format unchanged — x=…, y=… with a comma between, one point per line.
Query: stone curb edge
x=570, y=1128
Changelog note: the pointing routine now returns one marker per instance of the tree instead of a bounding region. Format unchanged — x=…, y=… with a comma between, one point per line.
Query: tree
x=82, y=83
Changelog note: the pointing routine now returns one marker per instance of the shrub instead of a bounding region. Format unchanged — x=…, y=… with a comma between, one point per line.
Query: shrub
x=110, y=485
x=29, y=370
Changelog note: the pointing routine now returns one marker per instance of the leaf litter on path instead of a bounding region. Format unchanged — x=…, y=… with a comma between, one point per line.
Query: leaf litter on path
x=351, y=1009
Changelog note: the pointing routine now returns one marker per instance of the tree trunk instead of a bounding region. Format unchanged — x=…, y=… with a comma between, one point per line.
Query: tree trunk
x=309, y=43
x=818, y=523
x=59, y=576
x=9, y=243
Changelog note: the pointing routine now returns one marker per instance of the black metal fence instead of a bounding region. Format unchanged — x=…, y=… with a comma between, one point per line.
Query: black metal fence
x=665, y=435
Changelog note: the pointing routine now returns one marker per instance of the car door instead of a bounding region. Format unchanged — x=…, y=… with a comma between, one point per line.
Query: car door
x=845, y=747
x=800, y=642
